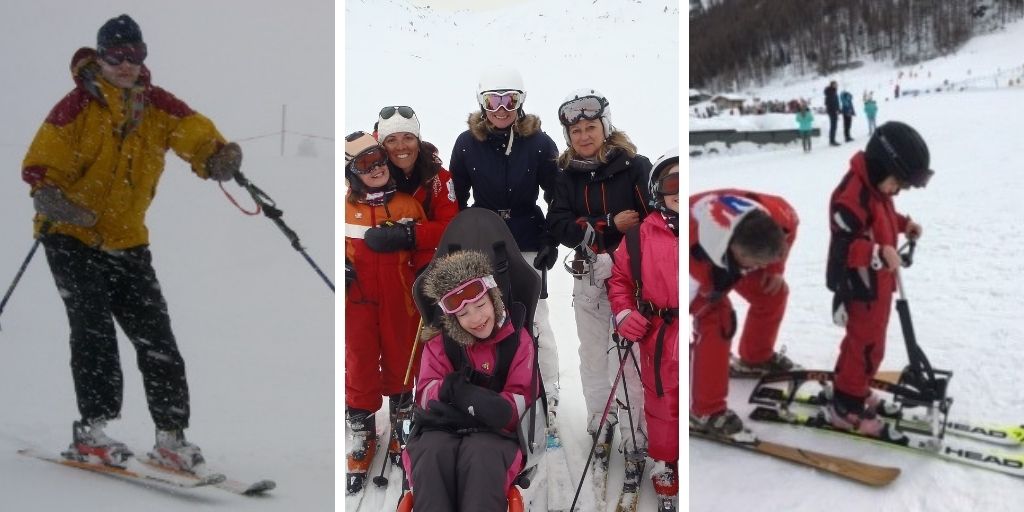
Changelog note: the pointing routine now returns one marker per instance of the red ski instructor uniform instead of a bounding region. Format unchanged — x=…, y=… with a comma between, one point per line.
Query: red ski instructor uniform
x=714, y=216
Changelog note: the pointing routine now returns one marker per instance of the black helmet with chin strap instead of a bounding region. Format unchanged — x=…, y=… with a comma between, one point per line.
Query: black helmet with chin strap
x=900, y=152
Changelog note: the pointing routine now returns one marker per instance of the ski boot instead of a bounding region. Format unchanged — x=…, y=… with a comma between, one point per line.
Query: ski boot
x=602, y=454
x=631, y=481
x=400, y=409
x=666, y=485
x=173, y=451
x=360, y=449
x=88, y=439
x=850, y=414
x=724, y=424
x=777, y=363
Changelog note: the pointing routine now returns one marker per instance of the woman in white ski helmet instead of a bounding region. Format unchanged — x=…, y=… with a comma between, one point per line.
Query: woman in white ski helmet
x=600, y=193
x=506, y=161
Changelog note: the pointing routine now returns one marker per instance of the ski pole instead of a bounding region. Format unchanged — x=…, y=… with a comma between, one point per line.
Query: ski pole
x=543, y=284
x=273, y=213
x=412, y=356
x=604, y=416
x=625, y=389
x=45, y=228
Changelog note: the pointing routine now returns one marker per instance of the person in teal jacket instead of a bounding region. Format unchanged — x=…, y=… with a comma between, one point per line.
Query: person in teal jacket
x=870, y=110
x=805, y=119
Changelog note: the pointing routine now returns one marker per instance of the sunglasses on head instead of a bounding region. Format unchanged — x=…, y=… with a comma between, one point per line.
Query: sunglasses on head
x=668, y=184
x=368, y=159
x=587, y=107
x=466, y=294
x=491, y=101
x=133, y=53
x=389, y=112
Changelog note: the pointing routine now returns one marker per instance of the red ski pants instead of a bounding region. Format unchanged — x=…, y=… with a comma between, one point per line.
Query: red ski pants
x=863, y=347
x=713, y=329
x=379, y=332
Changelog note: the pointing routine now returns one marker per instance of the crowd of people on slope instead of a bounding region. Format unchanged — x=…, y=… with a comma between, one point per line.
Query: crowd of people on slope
x=598, y=191
x=740, y=241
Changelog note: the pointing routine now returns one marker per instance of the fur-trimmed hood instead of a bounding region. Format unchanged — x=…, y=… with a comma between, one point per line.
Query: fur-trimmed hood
x=447, y=273
x=480, y=127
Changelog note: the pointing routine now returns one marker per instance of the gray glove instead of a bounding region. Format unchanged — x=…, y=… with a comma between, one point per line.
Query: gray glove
x=222, y=165
x=50, y=202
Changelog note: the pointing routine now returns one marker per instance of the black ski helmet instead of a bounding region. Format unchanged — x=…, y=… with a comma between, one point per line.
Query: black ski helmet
x=901, y=152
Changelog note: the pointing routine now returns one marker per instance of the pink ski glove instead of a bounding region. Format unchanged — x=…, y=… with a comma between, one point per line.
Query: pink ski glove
x=632, y=326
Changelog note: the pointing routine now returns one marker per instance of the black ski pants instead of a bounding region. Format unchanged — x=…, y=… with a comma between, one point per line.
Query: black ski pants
x=847, y=121
x=460, y=473
x=832, y=118
x=99, y=287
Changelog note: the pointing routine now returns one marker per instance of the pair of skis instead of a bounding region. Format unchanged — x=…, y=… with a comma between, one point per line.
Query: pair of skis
x=146, y=472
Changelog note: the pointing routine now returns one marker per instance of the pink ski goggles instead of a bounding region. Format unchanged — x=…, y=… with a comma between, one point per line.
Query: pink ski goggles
x=466, y=293
x=491, y=101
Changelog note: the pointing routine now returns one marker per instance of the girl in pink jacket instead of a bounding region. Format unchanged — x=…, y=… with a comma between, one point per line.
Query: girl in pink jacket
x=463, y=454
x=651, y=318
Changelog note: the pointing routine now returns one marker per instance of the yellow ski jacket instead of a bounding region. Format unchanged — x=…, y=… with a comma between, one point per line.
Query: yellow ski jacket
x=104, y=148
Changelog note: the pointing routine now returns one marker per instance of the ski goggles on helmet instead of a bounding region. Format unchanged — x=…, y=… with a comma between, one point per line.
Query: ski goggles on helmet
x=368, y=159
x=667, y=185
x=586, y=107
x=491, y=101
x=389, y=112
x=133, y=53
x=466, y=293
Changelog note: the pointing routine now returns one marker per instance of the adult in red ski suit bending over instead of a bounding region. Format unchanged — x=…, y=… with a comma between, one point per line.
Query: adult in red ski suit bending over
x=739, y=240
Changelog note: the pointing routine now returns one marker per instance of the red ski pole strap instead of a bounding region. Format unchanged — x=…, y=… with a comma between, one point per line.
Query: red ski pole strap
x=232, y=199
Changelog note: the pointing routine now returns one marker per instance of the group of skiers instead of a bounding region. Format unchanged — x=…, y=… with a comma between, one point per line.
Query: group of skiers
x=462, y=455
x=740, y=241
x=837, y=103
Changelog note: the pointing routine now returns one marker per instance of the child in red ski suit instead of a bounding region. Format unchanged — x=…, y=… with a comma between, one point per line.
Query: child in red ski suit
x=381, y=319
x=739, y=241
x=863, y=261
x=652, y=318
x=463, y=454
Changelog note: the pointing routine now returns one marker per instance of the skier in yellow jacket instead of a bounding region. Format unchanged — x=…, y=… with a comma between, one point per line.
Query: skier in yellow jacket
x=93, y=169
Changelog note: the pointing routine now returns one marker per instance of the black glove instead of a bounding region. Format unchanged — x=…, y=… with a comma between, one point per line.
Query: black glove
x=391, y=237
x=350, y=273
x=546, y=258
x=485, y=405
x=222, y=165
x=440, y=415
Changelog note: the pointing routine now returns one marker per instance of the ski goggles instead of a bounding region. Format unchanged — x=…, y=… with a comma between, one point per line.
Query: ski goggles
x=133, y=53
x=586, y=107
x=389, y=112
x=466, y=293
x=667, y=185
x=368, y=159
x=491, y=101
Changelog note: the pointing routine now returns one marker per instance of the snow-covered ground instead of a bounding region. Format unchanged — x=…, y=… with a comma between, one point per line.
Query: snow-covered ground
x=254, y=322
x=430, y=59
x=964, y=290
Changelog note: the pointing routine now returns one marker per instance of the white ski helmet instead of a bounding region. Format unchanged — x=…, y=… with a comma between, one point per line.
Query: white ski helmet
x=670, y=158
x=605, y=111
x=500, y=79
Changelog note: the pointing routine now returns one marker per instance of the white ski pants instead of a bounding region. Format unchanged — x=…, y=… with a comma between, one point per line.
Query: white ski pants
x=599, y=362
x=547, y=354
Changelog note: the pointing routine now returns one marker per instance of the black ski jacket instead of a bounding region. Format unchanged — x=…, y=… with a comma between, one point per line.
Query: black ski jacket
x=619, y=185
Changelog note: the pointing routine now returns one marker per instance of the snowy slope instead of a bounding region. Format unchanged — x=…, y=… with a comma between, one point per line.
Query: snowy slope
x=430, y=59
x=253, y=321
x=964, y=290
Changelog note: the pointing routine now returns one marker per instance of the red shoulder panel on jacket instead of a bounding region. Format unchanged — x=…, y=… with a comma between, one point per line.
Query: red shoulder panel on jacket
x=68, y=108
x=169, y=103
